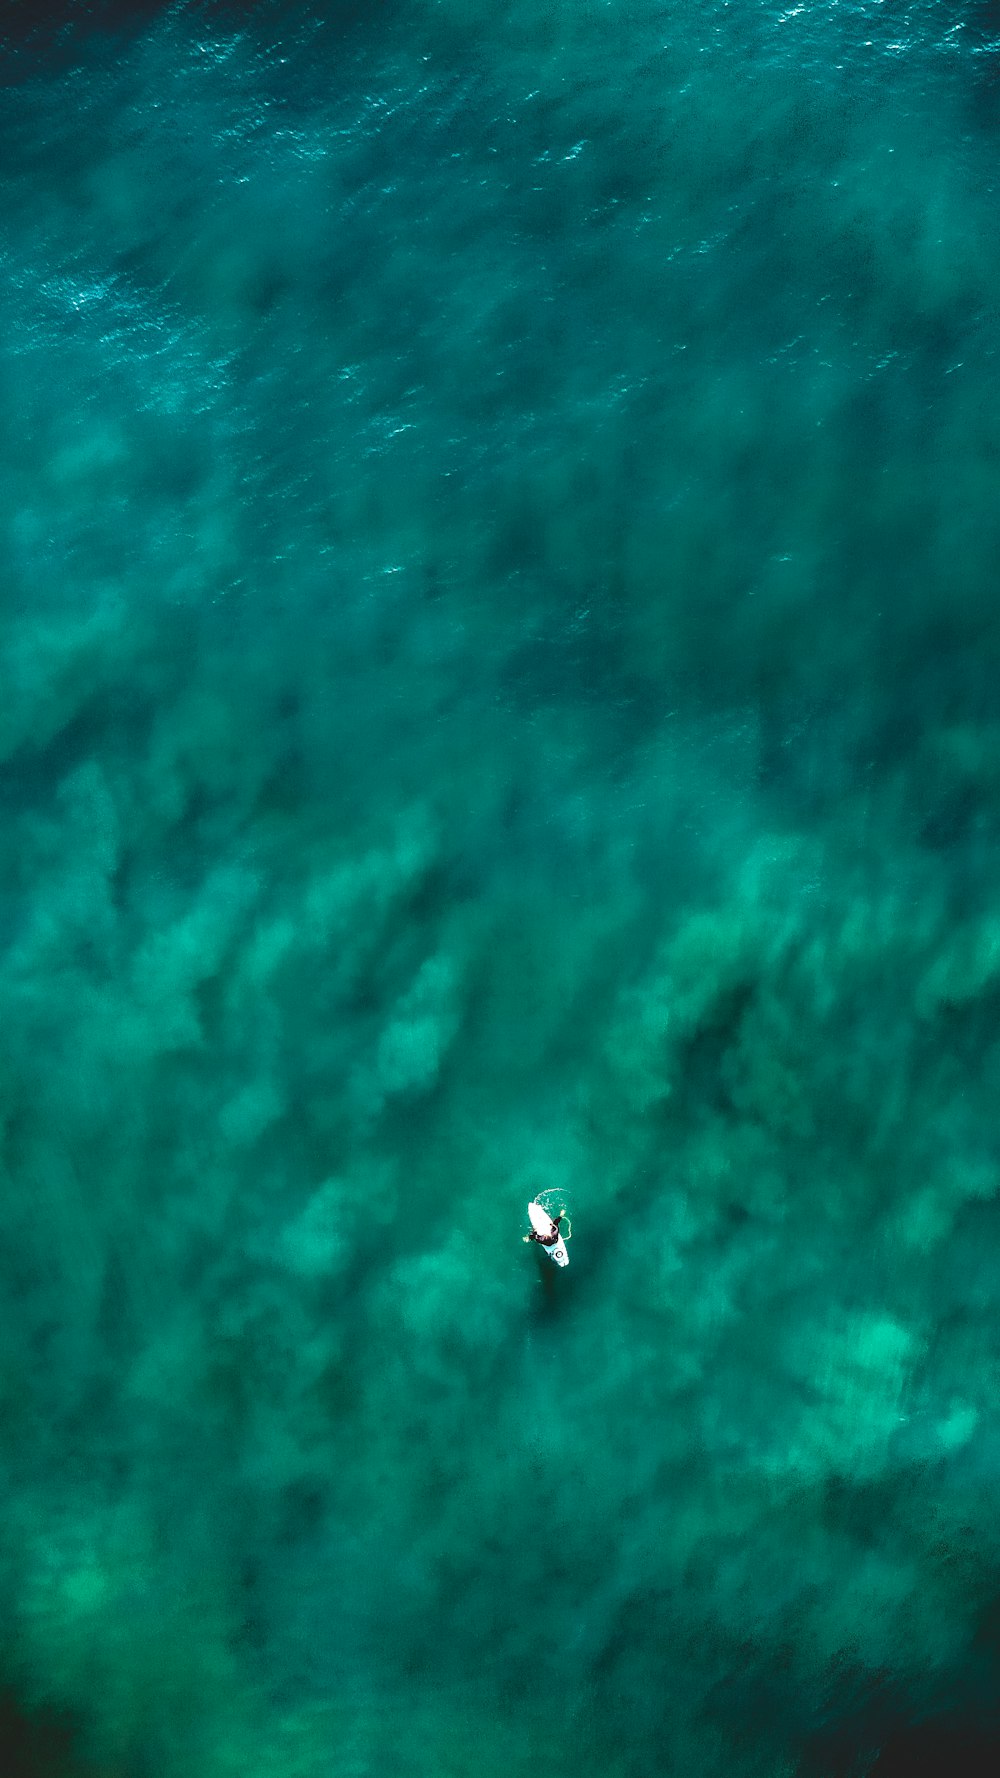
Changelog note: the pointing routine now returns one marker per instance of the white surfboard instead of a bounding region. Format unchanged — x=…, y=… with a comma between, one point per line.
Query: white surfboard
x=547, y=1234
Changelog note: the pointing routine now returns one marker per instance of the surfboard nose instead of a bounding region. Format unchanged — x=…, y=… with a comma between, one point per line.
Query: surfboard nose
x=540, y=1221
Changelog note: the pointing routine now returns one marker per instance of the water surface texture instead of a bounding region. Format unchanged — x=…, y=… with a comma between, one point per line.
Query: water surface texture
x=500, y=692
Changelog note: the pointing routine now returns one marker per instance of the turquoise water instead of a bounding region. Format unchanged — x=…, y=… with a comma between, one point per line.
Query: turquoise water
x=500, y=692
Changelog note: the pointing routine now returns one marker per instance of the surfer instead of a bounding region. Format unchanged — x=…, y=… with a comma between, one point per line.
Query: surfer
x=546, y=1231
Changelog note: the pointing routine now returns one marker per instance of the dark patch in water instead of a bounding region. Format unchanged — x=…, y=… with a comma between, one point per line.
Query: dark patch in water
x=34, y=1746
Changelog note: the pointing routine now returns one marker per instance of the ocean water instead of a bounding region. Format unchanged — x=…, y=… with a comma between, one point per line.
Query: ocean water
x=500, y=693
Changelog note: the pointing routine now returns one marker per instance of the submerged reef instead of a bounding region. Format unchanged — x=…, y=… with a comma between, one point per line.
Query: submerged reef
x=499, y=695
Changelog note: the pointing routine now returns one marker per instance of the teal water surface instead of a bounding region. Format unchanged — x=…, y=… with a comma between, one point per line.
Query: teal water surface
x=500, y=692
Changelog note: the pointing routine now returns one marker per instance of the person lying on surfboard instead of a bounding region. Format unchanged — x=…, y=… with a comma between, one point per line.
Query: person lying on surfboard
x=546, y=1231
